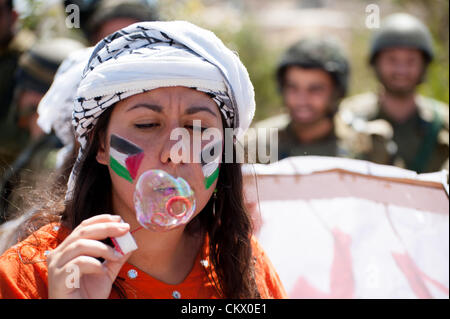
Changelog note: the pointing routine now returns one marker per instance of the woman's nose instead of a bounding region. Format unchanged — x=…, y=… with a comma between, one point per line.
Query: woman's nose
x=175, y=147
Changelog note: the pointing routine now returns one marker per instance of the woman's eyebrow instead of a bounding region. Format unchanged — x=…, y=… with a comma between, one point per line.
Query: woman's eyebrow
x=152, y=107
x=196, y=109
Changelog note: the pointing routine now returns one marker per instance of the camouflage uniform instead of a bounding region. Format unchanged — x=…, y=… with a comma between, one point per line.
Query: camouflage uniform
x=341, y=142
x=367, y=143
x=422, y=142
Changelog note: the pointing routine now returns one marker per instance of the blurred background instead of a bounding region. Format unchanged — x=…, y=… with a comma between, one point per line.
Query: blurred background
x=260, y=30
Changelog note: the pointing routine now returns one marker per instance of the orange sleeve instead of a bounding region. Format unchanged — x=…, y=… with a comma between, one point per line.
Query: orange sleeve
x=23, y=267
x=9, y=279
x=22, y=277
x=267, y=279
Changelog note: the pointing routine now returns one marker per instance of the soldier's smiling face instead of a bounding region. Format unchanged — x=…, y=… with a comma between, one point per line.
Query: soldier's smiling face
x=400, y=69
x=308, y=94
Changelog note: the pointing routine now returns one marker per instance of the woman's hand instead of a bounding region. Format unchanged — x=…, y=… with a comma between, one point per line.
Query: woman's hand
x=74, y=260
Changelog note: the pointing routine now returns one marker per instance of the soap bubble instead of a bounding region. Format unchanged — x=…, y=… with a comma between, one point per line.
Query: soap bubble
x=162, y=201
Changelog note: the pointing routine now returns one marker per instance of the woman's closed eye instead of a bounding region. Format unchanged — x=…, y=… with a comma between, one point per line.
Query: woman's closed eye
x=153, y=125
x=193, y=128
x=146, y=125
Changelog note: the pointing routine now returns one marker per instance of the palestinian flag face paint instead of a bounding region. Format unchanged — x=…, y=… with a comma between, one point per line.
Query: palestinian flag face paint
x=124, y=157
x=210, y=168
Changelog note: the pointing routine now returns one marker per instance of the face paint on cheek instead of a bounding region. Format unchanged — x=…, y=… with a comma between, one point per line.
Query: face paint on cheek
x=210, y=158
x=124, y=157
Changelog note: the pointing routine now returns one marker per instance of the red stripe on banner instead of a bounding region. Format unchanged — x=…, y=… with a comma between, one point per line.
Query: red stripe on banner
x=342, y=284
x=416, y=277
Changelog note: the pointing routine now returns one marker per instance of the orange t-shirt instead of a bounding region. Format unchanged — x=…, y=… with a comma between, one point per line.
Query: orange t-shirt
x=23, y=272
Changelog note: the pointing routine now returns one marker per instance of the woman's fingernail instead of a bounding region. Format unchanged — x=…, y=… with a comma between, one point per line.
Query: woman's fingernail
x=124, y=226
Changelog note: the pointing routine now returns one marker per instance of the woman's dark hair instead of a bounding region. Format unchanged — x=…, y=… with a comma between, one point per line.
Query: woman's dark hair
x=229, y=229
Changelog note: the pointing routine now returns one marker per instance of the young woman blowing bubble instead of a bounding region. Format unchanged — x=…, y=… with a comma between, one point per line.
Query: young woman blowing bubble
x=140, y=84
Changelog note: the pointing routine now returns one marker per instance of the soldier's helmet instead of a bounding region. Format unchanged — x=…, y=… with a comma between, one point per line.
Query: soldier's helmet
x=94, y=13
x=316, y=53
x=38, y=65
x=402, y=30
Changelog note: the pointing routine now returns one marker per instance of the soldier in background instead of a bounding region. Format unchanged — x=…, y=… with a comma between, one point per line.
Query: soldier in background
x=400, y=53
x=24, y=148
x=12, y=45
x=313, y=78
x=99, y=18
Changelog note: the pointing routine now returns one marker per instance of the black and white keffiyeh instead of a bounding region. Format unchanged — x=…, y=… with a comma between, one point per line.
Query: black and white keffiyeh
x=149, y=55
